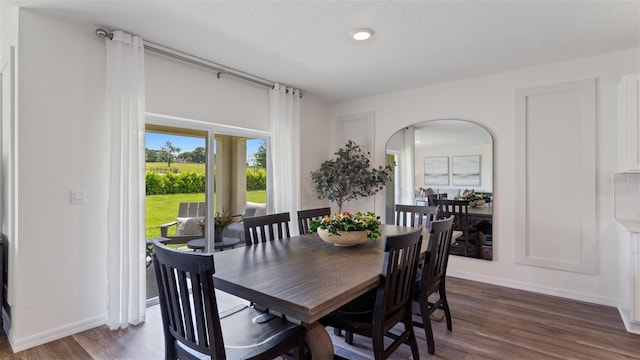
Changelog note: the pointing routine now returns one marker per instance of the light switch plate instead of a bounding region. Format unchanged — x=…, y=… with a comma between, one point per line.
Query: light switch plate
x=78, y=196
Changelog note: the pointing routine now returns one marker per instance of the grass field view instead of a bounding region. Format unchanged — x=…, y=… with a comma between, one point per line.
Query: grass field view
x=162, y=209
x=182, y=167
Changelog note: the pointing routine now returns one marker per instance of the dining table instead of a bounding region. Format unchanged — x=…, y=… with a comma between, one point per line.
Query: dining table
x=305, y=278
x=484, y=212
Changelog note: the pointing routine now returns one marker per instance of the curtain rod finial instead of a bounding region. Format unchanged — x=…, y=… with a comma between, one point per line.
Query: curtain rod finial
x=103, y=33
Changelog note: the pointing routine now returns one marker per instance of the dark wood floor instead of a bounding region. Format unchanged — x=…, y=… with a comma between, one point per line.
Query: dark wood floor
x=489, y=322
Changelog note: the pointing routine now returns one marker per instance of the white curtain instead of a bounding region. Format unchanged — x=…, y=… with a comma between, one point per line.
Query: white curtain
x=125, y=113
x=285, y=151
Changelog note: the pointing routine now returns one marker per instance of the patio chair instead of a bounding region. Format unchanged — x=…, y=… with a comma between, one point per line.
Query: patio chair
x=236, y=230
x=190, y=216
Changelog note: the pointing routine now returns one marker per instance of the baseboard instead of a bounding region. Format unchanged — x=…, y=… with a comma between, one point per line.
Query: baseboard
x=546, y=290
x=54, y=334
x=631, y=327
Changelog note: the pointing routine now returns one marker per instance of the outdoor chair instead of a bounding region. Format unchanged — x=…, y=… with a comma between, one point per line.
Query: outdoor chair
x=188, y=223
x=236, y=230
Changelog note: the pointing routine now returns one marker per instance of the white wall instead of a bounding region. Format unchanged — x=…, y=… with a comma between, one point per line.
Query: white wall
x=314, y=150
x=8, y=39
x=490, y=102
x=58, y=283
x=58, y=249
x=188, y=91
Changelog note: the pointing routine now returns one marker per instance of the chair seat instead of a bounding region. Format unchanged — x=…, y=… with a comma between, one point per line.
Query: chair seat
x=249, y=333
x=358, y=313
x=196, y=325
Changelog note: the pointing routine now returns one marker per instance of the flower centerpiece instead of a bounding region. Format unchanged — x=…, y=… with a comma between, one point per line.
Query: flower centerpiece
x=475, y=199
x=347, y=229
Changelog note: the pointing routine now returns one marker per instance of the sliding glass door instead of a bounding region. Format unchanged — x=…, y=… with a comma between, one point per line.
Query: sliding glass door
x=194, y=174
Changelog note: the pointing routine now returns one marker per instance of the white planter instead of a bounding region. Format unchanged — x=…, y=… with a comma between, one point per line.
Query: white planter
x=347, y=238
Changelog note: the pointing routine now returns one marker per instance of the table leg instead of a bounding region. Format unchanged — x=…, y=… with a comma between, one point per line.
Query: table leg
x=319, y=342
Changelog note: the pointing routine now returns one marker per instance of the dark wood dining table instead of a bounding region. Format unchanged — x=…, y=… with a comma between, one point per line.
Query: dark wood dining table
x=481, y=213
x=304, y=277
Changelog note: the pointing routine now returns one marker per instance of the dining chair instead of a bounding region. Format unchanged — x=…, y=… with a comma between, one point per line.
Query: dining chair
x=431, y=279
x=376, y=312
x=415, y=215
x=304, y=216
x=259, y=229
x=193, y=327
x=431, y=199
x=467, y=243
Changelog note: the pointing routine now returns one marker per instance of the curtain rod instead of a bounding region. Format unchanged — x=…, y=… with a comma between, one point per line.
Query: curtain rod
x=219, y=69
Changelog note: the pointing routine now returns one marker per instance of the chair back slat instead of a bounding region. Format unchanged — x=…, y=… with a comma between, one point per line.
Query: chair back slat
x=431, y=198
x=434, y=269
x=467, y=243
x=259, y=229
x=187, y=301
x=416, y=215
x=191, y=209
x=459, y=209
x=304, y=216
x=394, y=298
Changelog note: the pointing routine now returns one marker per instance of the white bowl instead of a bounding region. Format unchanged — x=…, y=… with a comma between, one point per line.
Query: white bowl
x=346, y=238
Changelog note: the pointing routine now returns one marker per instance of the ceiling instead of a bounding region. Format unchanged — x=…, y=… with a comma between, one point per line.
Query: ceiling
x=306, y=44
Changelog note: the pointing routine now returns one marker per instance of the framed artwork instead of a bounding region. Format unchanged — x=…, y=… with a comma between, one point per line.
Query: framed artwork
x=465, y=170
x=436, y=170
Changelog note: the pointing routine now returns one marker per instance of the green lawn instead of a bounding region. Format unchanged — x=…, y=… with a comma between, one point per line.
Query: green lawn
x=162, y=209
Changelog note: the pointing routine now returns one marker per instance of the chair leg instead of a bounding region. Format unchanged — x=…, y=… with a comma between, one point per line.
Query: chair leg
x=337, y=331
x=428, y=332
x=348, y=337
x=413, y=343
x=378, y=345
x=425, y=314
x=447, y=312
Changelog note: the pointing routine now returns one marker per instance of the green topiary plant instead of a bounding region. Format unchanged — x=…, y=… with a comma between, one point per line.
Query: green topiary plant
x=349, y=176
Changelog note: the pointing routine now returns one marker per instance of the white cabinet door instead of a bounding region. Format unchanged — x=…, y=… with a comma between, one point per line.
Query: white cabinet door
x=629, y=121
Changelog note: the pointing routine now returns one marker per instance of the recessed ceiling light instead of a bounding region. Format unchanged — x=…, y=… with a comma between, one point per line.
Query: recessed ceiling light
x=361, y=34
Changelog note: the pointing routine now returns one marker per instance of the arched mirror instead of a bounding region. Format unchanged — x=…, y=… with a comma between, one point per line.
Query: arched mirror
x=447, y=163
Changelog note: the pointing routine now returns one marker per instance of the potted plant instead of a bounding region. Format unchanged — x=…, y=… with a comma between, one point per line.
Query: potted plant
x=350, y=176
x=221, y=221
